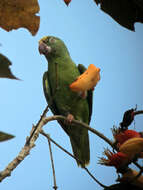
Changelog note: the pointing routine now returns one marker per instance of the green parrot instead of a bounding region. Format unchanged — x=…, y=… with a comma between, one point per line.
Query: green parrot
x=62, y=71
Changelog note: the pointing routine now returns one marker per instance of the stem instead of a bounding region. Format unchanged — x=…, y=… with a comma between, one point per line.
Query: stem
x=33, y=132
x=52, y=162
x=138, y=112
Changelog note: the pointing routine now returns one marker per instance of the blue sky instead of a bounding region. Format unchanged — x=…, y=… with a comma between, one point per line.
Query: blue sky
x=92, y=37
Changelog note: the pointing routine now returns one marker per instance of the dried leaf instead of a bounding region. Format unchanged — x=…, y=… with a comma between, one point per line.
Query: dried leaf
x=125, y=12
x=67, y=2
x=5, y=71
x=15, y=14
x=5, y=136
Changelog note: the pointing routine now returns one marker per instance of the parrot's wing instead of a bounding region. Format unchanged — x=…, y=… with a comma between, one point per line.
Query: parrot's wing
x=50, y=100
x=81, y=69
x=48, y=94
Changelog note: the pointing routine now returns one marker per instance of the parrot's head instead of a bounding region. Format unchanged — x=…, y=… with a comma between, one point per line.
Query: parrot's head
x=52, y=47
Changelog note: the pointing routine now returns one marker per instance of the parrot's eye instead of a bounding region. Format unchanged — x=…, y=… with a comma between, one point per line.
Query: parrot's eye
x=45, y=41
x=52, y=40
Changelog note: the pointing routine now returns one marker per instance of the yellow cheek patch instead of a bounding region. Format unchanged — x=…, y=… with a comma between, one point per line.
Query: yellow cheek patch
x=46, y=84
x=43, y=39
x=87, y=80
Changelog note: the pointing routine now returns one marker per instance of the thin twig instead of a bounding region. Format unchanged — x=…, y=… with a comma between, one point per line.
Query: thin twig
x=137, y=164
x=52, y=162
x=49, y=138
x=137, y=176
x=138, y=112
x=140, y=172
x=42, y=116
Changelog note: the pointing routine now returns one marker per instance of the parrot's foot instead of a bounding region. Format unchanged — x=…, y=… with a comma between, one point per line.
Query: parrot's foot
x=83, y=94
x=70, y=117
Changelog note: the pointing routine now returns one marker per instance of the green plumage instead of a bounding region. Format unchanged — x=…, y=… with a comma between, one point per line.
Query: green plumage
x=62, y=71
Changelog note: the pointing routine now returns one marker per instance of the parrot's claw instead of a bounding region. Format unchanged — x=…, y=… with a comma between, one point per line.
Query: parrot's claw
x=70, y=117
x=83, y=94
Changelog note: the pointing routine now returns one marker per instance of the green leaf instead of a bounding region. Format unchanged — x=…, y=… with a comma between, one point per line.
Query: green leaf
x=5, y=71
x=5, y=136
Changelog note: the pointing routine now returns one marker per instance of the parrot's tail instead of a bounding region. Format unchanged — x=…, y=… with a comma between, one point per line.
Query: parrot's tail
x=81, y=149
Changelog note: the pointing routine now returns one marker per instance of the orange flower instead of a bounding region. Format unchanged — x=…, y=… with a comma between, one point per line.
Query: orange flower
x=117, y=160
x=87, y=80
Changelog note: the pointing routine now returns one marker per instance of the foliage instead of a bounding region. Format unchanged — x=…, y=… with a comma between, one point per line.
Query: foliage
x=5, y=136
x=5, y=71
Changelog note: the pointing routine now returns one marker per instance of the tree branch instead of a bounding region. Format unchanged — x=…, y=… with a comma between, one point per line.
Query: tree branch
x=26, y=149
x=30, y=141
x=52, y=163
x=89, y=173
x=59, y=117
x=138, y=112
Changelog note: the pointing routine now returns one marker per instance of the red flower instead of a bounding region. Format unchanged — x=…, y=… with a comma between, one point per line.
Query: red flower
x=117, y=160
x=122, y=136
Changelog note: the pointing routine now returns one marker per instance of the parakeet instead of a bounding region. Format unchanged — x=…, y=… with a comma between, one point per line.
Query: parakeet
x=62, y=71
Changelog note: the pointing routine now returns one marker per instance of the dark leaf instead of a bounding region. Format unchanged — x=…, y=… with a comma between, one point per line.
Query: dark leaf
x=5, y=136
x=5, y=71
x=97, y=1
x=125, y=12
x=67, y=2
x=128, y=118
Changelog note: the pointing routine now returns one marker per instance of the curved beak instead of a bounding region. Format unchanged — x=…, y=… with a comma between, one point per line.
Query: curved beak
x=44, y=49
